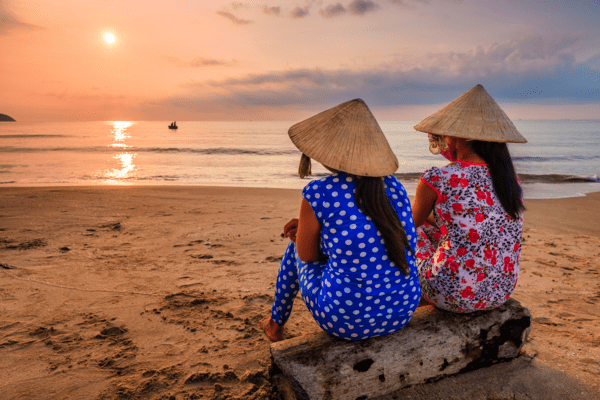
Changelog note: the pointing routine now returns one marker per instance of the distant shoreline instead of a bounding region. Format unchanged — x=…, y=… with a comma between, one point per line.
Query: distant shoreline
x=4, y=117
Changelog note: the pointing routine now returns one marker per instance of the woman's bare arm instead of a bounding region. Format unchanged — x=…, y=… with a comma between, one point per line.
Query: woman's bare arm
x=422, y=206
x=308, y=234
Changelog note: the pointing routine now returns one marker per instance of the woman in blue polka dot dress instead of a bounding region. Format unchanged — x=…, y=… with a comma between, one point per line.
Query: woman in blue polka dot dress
x=351, y=249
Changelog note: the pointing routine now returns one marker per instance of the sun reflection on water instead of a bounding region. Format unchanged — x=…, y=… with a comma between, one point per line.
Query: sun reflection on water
x=120, y=134
x=126, y=171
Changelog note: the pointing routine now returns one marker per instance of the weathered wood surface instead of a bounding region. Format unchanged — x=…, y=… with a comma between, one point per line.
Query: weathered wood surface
x=432, y=345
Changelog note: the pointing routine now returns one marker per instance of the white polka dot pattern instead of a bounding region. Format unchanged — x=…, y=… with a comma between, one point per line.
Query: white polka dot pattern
x=351, y=295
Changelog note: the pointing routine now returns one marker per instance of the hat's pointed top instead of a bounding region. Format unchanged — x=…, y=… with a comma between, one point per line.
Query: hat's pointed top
x=346, y=138
x=473, y=115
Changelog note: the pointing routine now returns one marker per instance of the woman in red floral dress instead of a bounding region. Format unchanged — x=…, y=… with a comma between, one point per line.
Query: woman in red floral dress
x=468, y=214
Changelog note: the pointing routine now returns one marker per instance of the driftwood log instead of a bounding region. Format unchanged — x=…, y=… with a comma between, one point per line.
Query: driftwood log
x=434, y=344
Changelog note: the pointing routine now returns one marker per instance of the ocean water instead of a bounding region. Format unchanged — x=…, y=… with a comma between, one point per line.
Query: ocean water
x=561, y=159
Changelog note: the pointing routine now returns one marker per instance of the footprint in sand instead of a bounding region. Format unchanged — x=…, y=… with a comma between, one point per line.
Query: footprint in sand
x=113, y=227
x=199, y=378
x=225, y=262
x=549, y=263
x=6, y=242
x=257, y=299
x=569, y=257
x=547, y=321
x=32, y=244
x=86, y=338
x=201, y=256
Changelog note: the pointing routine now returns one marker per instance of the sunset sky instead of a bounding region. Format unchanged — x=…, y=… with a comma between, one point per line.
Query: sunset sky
x=286, y=60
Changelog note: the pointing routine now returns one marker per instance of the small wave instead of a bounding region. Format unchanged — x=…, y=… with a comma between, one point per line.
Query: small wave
x=10, y=149
x=556, y=158
x=30, y=136
x=160, y=178
x=165, y=150
x=217, y=150
x=534, y=159
x=131, y=178
x=555, y=178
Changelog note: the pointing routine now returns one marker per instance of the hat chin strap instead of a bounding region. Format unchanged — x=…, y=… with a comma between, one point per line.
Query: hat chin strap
x=304, y=169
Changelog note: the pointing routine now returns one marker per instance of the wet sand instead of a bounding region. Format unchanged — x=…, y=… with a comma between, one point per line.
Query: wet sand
x=156, y=293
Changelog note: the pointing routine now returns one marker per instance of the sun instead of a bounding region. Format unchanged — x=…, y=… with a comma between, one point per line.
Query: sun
x=110, y=38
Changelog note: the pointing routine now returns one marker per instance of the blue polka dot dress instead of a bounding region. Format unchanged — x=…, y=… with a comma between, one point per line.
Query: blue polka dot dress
x=358, y=292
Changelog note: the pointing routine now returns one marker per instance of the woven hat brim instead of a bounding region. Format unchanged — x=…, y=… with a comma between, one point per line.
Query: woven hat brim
x=346, y=138
x=473, y=115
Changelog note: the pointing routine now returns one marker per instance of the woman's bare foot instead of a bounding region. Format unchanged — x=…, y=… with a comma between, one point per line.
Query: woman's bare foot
x=273, y=331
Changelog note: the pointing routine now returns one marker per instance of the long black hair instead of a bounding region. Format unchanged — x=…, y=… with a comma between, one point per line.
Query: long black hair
x=371, y=198
x=504, y=177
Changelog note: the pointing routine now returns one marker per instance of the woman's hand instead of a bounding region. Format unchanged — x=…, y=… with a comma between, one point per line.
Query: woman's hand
x=290, y=229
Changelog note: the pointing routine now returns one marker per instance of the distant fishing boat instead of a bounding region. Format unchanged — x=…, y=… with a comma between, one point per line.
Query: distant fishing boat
x=173, y=125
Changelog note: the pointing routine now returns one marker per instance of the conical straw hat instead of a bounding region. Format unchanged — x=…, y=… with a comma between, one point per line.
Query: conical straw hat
x=474, y=115
x=346, y=138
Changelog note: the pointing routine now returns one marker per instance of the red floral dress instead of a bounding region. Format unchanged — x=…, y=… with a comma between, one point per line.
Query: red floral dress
x=471, y=262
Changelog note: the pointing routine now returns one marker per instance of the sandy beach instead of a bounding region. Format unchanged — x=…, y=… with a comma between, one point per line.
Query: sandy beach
x=156, y=293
